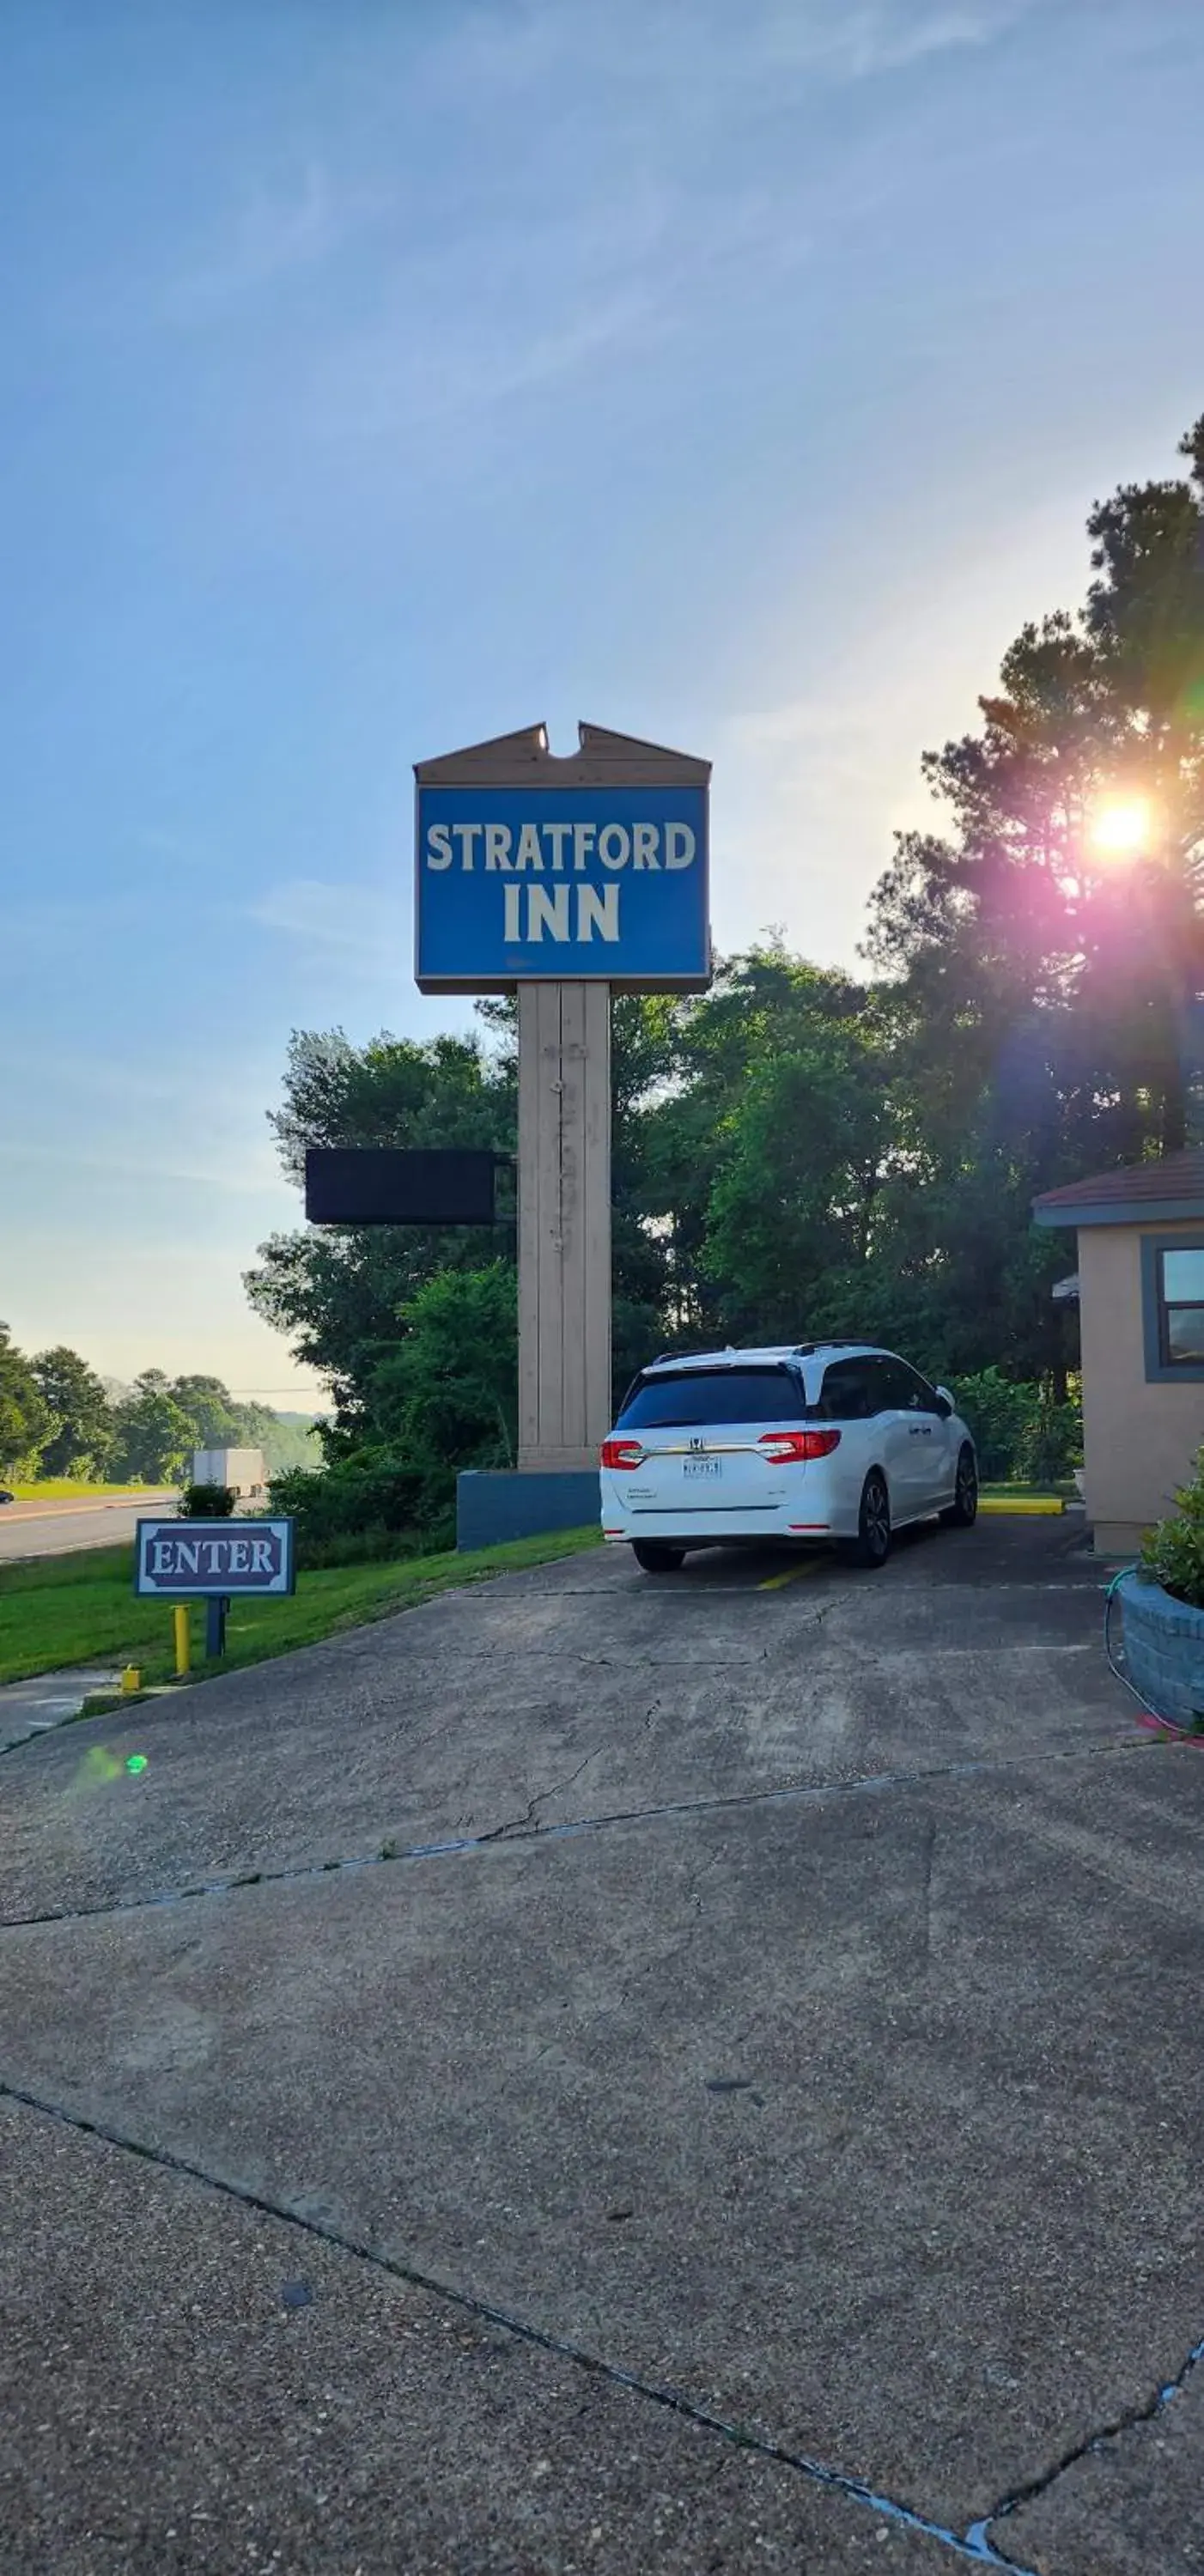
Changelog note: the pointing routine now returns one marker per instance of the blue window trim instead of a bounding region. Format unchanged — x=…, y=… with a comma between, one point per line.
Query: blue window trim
x=1159, y=1371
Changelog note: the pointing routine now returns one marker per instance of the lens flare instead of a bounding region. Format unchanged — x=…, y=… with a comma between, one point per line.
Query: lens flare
x=99, y=1767
x=1122, y=827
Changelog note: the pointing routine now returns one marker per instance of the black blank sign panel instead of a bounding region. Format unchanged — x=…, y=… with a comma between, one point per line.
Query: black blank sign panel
x=382, y=1185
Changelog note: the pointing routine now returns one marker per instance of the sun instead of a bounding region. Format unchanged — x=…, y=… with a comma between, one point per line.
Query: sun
x=1121, y=827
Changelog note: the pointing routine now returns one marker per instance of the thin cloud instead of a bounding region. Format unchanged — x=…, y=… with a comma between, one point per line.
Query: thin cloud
x=270, y=237
x=803, y=721
x=488, y=322
x=522, y=48
x=362, y=925
x=54, y=923
x=102, y=1077
x=653, y=235
x=379, y=389
x=868, y=43
x=823, y=767
x=252, y=1174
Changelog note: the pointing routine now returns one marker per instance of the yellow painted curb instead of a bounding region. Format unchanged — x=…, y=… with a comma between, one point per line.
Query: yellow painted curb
x=1034, y=1506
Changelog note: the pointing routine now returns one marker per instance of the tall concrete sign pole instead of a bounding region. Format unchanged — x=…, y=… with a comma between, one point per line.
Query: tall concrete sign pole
x=564, y=1391
x=566, y=880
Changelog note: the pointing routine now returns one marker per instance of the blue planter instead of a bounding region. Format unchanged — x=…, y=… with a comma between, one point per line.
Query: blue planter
x=1164, y=1649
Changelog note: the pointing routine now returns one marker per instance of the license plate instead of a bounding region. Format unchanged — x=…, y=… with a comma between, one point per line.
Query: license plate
x=702, y=1466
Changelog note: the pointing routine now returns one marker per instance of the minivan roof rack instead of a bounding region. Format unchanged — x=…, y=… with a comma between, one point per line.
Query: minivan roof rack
x=714, y=1351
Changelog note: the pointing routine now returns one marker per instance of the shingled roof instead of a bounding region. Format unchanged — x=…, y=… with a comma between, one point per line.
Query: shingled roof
x=1169, y=1188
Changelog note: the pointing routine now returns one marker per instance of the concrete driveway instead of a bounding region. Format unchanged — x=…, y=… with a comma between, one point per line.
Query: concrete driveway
x=600, y=2074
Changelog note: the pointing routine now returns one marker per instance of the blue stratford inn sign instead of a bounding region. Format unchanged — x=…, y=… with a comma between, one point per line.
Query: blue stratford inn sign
x=562, y=869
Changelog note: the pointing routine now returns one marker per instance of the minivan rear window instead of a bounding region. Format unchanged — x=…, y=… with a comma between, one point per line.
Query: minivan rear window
x=715, y=1395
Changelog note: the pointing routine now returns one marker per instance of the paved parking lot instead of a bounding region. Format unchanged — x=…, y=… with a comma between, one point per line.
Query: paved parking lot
x=600, y=2073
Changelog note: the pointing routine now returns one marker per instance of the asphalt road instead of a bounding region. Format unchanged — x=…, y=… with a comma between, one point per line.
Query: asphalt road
x=55, y=1529
x=599, y=2074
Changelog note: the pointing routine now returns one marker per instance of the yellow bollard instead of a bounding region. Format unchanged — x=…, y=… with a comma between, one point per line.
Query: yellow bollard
x=183, y=1638
x=131, y=1680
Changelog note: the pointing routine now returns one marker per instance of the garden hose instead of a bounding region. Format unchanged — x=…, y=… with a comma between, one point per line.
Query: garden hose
x=1151, y=1717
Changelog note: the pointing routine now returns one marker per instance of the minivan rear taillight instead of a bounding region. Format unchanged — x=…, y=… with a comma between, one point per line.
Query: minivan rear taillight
x=622, y=1453
x=785, y=1447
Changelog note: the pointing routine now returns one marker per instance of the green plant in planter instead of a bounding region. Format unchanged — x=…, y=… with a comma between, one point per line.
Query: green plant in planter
x=1172, y=1554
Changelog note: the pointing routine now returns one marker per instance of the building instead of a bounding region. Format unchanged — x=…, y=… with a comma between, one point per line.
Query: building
x=1140, y=1281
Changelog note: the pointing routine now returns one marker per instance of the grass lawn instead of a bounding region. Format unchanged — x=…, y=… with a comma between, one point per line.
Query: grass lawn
x=81, y=1609
x=63, y=1489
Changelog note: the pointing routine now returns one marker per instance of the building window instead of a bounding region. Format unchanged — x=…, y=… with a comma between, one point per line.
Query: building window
x=1181, y=1308
x=1173, y=1303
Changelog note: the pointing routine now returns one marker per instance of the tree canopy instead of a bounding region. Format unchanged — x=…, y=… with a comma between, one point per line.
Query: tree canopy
x=1022, y=946
x=24, y=1420
x=79, y=1413
x=59, y=1419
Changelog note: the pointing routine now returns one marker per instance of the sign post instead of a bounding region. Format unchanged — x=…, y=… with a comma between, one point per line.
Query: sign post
x=566, y=880
x=564, y=1390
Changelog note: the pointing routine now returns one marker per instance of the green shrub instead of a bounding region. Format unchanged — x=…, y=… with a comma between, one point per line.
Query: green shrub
x=1051, y=1443
x=448, y=1391
x=1022, y=1434
x=1172, y=1554
x=207, y=1502
x=442, y=1398
x=997, y=1411
x=373, y=1498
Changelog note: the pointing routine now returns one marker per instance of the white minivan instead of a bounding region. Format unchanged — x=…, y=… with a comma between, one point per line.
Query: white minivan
x=815, y=1440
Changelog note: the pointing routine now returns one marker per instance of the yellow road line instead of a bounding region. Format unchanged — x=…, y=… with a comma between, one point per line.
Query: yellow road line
x=793, y=1574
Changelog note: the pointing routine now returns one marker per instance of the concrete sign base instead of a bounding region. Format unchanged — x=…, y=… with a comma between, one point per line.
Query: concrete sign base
x=497, y=1504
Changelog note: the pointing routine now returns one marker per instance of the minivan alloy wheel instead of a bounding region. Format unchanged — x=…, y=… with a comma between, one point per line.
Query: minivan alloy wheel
x=873, y=1526
x=963, y=1510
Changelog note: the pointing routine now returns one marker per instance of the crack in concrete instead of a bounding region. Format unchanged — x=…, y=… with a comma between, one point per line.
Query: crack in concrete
x=621, y=1664
x=517, y=1826
x=973, y=2545
x=1092, y=2446
x=683, y=1936
x=457, y=1846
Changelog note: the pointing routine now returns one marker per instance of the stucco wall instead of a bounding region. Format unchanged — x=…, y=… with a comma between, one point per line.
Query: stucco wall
x=1138, y=1439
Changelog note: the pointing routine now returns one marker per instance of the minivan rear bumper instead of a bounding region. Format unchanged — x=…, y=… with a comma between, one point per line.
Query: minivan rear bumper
x=805, y=1506
x=732, y=1530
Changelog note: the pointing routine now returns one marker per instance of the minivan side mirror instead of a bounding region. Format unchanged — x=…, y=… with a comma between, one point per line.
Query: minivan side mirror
x=944, y=1403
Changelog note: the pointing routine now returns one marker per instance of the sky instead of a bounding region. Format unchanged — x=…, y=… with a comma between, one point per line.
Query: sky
x=381, y=377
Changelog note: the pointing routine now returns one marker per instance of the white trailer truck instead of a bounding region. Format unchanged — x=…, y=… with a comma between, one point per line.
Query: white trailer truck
x=241, y=1469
